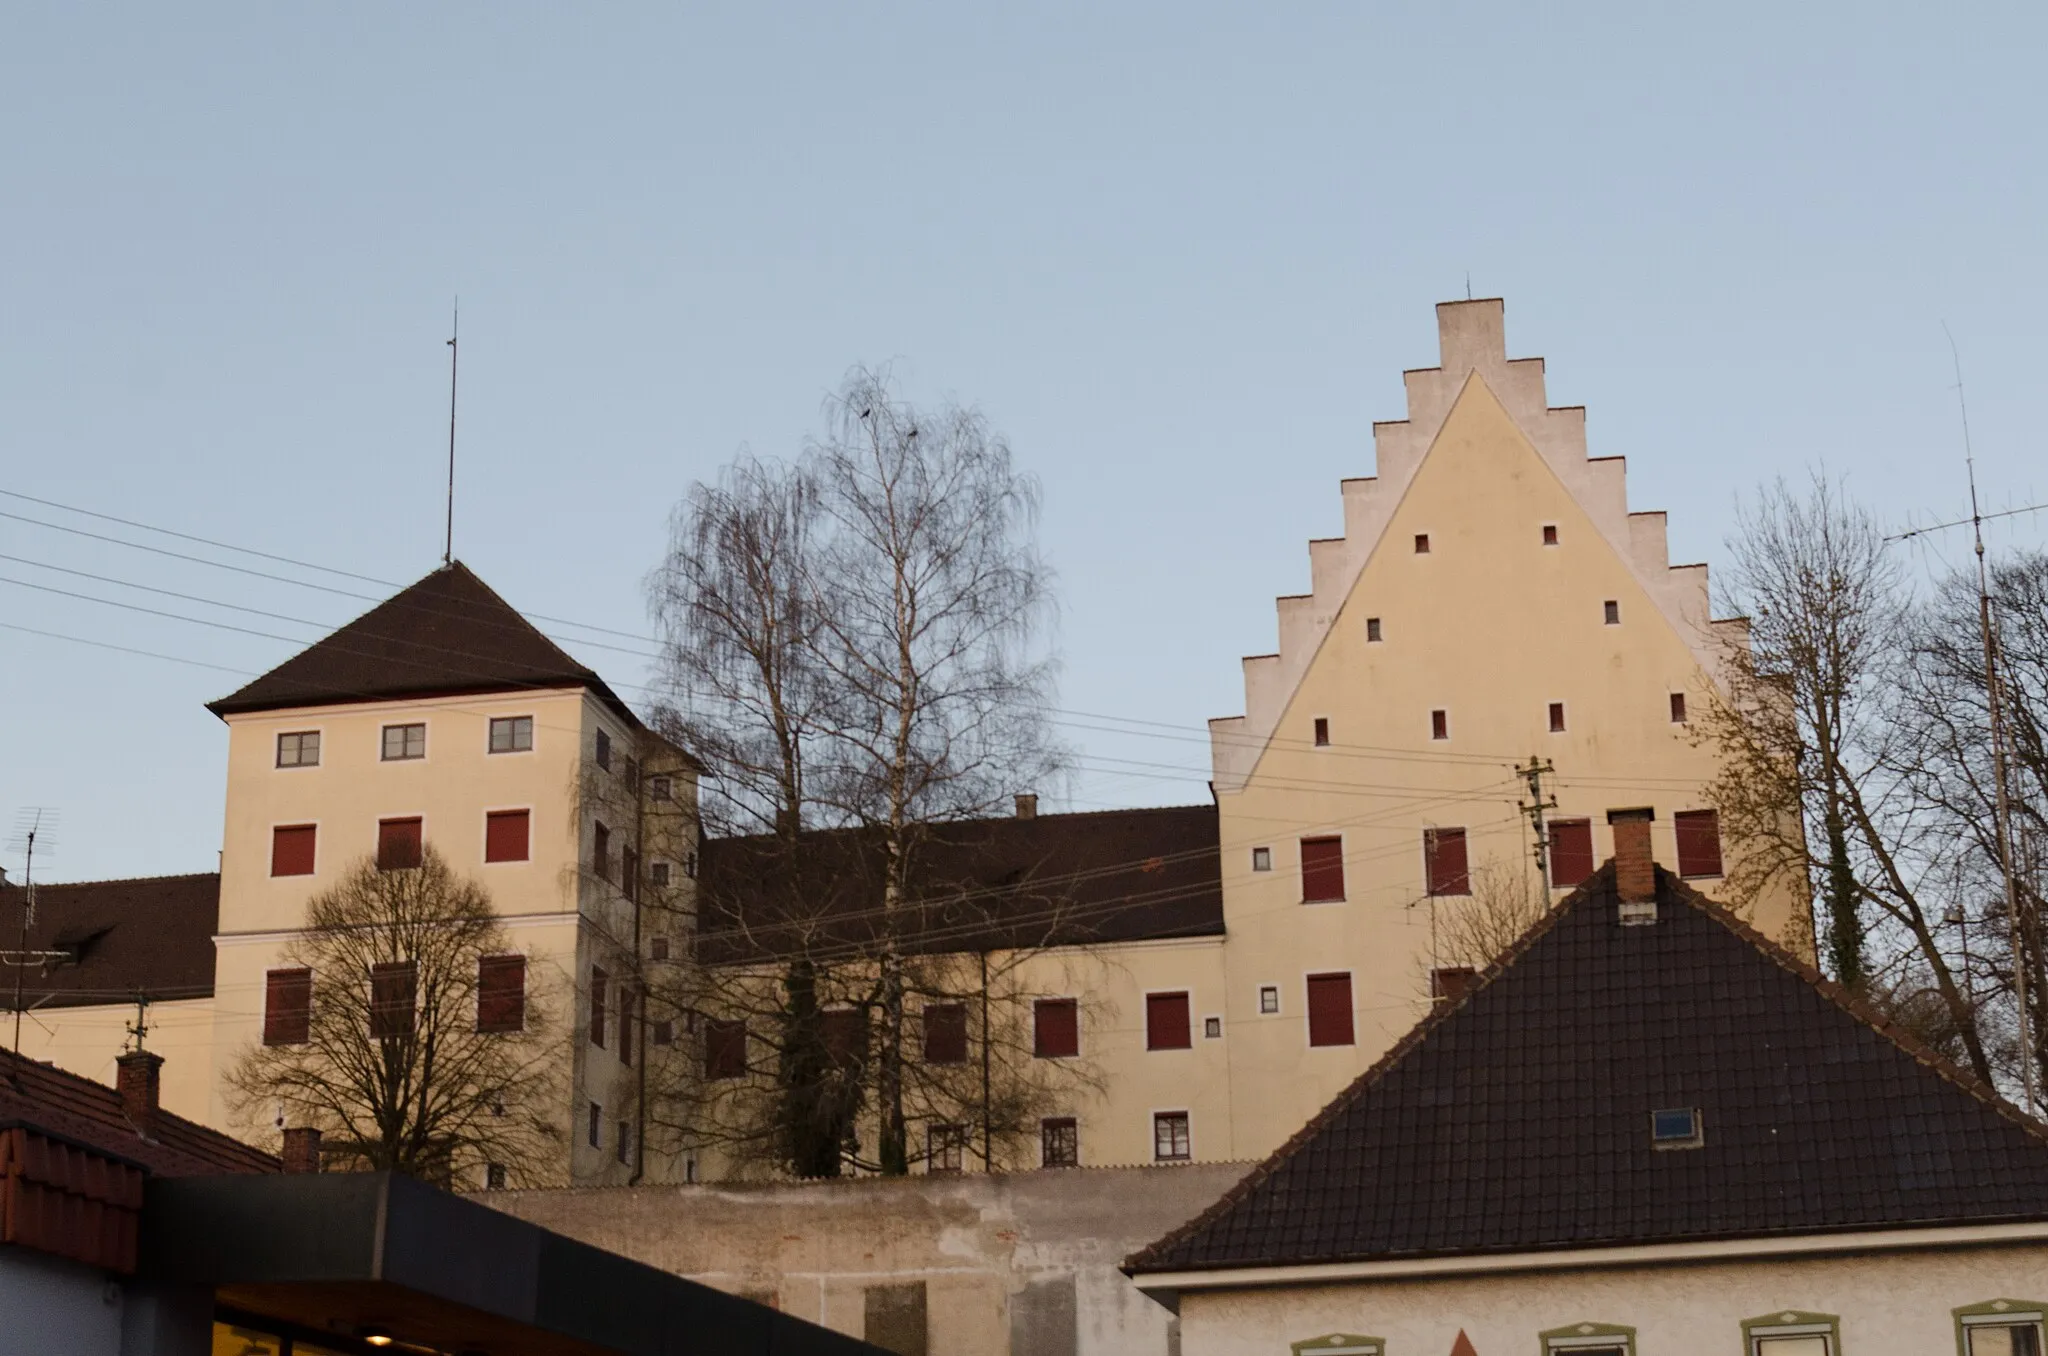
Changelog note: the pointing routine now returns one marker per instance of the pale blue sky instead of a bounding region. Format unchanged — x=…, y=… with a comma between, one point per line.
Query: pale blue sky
x=1180, y=253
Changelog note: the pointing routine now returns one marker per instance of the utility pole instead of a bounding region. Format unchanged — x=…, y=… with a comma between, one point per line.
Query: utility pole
x=28, y=918
x=139, y=1028
x=454, y=355
x=1534, y=807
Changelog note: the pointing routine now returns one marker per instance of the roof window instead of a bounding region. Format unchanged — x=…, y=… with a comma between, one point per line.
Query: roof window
x=1676, y=1128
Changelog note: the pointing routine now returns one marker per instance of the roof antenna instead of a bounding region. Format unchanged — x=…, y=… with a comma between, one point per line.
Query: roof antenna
x=1468, y=284
x=32, y=823
x=454, y=353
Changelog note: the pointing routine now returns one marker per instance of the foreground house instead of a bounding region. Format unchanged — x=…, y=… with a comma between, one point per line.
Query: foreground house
x=1647, y=1130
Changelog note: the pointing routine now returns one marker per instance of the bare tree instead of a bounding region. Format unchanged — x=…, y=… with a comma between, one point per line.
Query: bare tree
x=412, y=1039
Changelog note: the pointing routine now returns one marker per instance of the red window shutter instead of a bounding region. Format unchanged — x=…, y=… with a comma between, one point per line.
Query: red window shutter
x=1329, y=1010
x=288, y=1007
x=398, y=844
x=501, y=993
x=725, y=1050
x=1166, y=1022
x=1571, y=852
x=945, y=1033
x=845, y=1032
x=599, y=1000
x=1056, y=1028
x=291, y=850
x=394, y=991
x=506, y=835
x=1322, y=870
x=1699, y=842
x=1443, y=852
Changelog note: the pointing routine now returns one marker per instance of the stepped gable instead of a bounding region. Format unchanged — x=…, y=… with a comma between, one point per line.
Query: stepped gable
x=448, y=634
x=1473, y=344
x=113, y=941
x=1518, y=1120
x=89, y=1114
x=1137, y=874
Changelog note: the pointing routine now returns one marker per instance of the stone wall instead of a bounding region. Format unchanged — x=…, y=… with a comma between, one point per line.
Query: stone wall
x=1021, y=1264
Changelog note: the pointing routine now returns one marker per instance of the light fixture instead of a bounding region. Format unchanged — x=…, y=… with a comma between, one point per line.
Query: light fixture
x=377, y=1337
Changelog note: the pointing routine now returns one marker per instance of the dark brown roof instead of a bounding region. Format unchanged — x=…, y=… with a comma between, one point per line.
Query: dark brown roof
x=1062, y=879
x=447, y=634
x=1519, y=1119
x=89, y=1114
x=114, y=940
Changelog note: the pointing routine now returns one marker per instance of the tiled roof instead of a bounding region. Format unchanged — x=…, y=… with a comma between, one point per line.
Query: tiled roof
x=116, y=940
x=90, y=1114
x=1519, y=1119
x=1057, y=879
x=447, y=634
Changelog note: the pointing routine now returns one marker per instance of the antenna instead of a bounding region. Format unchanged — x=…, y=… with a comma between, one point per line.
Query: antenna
x=2021, y=935
x=454, y=354
x=30, y=824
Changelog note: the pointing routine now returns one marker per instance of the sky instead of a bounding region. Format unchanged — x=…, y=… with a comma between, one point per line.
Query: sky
x=1179, y=254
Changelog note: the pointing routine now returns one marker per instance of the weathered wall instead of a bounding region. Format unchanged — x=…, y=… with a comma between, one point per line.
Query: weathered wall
x=1023, y=1264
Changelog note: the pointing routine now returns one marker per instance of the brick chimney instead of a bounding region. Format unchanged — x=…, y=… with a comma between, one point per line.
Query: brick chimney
x=1027, y=805
x=1449, y=983
x=138, y=1077
x=1635, y=870
x=302, y=1149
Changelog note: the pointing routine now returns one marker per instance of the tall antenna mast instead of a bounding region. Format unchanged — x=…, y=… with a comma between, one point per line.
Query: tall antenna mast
x=454, y=355
x=2022, y=936
x=32, y=823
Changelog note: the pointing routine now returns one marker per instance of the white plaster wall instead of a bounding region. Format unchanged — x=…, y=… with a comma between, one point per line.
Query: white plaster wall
x=48, y=1306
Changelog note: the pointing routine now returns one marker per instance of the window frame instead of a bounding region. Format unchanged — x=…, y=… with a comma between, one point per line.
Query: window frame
x=1187, y=1019
x=1591, y=859
x=1550, y=534
x=1431, y=837
x=420, y=822
x=491, y=748
x=595, y=1134
x=501, y=1025
x=319, y=743
x=1680, y=819
x=385, y=1012
x=1073, y=1005
x=1588, y=1336
x=1048, y=1125
x=1186, y=1138
x=1557, y=718
x=1791, y=1323
x=1667, y=1143
x=1262, y=859
x=1320, y=841
x=661, y=786
x=506, y=812
x=598, y=1009
x=1678, y=710
x=1339, y=1344
x=723, y=1029
x=283, y=1026
x=1319, y=728
x=1375, y=631
x=601, y=749
x=1422, y=543
x=1440, y=723
x=1274, y=991
x=945, y=1147
x=2001, y=1312
x=1308, y=1010
x=1610, y=611
x=384, y=754
x=955, y=1012
x=312, y=827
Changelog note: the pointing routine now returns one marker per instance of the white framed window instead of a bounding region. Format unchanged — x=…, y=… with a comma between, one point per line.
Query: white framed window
x=1212, y=1028
x=1170, y=1139
x=661, y=788
x=299, y=748
x=1269, y=999
x=2001, y=1328
x=1591, y=1339
x=511, y=734
x=657, y=875
x=1262, y=859
x=1792, y=1333
x=1339, y=1344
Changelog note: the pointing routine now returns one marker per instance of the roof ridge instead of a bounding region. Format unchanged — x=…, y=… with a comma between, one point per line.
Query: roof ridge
x=117, y=880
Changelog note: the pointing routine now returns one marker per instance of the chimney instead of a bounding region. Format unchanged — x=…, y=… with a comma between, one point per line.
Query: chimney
x=138, y=1076
x=1027, y=805
x=302, y=1149
x=1449, y=983
x=1635, y=870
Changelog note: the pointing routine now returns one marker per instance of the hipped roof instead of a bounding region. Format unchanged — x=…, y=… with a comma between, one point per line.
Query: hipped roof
x=114, y=941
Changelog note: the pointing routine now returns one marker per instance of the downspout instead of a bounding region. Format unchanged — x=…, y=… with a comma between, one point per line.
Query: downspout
x=636, y=1029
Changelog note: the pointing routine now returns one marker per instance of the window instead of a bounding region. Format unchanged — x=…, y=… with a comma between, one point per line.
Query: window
x=1699, y=842
x=604, y=750
x=1269, y=999
x=1166, y=1022
x=1612, y=610
x=725, y=1049
x=288, y=1007
x=500, y=993
x=623, y=1144
x=945, y=1148
x=596, y=1131
x=1678, y=708
x=511, y=734
x=1791, y=1333
x=1339, y=1344
x=398, y=844
x=690, y=865
x=1059, y=1141
x=291, y=849
x=657, y=875
x=301, y=749
x=1372, y=630
x=629, y=872
x=403, y=742
x=1439, y=725
x=1170, y=1136
x=1212, y=1028
x=600, y=1000
x=601, y=851
x=945, y=1033
x=1055, y=1028
x=494, y=1176
x=664, y=1032
x=506, y=833
x=1322, y=870
x=1422, y=543
x=1322, y=732
x=1591, y=1339
x=1262, y=859
x=1443, y=862
x=1571, y=852
x=1329, y=1009
x=394, y=988
x=845, y=1034
x=661, y=789
x=2000, y=1328
x=1550, y=534
x=657, y=948
x=1677, y=1128
x=1557, y=717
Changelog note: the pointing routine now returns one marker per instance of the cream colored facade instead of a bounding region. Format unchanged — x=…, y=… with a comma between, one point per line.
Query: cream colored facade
x=86, y=1040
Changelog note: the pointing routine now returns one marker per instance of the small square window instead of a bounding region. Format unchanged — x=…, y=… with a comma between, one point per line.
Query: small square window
x=1372, y=629
x=1678, y=708
x=404, y=742
x=1550, y=534
x=1269, y=999
x=604, y=750
x=945, y=1148
x=1262, y=859
x=1557, y=717
x=664, y=1032
x=299, y=749
x=494, y=1176
x=1212, y=1028
x=1422, y=543
x=511, y=734
x=657, y=874
x=1170, y=1141
x=657, y=948
x=1322, y=732
x=1439, y=725
x=661, y=789
x=1676, y=1128
x=1059, y=1142
x=1612, y=610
